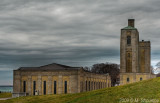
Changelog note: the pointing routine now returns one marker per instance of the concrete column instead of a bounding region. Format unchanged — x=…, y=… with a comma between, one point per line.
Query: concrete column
x=49, y=85
x=134, y=77
x=30, y=85
x=92, y=85
x=39, y=81
x=60, y=84
x=78, y=83
x=70, y=84
x=96, y=85
x=17, y=84
x=84, y=86
x=103, y=84
x=74, y=83
x=121, y=79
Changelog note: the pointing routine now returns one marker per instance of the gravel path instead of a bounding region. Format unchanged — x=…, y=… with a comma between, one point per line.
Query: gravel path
x=5, y=98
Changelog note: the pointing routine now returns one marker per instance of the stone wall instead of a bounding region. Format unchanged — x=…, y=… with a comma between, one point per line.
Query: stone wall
x=134, y=77
x=144, y=57
x=91, y=81
x=135, y=59
x=39, y=77
x=75, y=79
x=132, y=49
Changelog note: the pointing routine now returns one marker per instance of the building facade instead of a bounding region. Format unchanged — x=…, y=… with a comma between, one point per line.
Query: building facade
x=56, y=79
x=135, y=56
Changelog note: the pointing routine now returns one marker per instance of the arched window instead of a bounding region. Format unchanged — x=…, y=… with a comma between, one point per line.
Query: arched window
x=55, y=87
x=34, y=87
x=44, y=87
x=128, y=61
x=140, y=78
x=89, y=86
x=65, y=87
x=86, y=85
x=128, y=54
x=127, y=79
x=128, y=40
x=24, y=86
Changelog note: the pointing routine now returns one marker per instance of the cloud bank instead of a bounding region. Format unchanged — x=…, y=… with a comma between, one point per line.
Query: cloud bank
x=71, y=32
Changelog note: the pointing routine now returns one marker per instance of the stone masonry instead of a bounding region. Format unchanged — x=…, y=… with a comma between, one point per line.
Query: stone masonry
x=57, y=79
x=135, y=56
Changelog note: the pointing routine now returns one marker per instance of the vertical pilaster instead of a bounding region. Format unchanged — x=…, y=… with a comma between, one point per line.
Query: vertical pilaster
x=60, y=84
x=30, y=85
x=39, y=84
x=17, y=82
x=78, y=82
x=49, y=84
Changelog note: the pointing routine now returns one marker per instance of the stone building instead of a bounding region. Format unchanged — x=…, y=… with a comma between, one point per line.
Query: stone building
x=135, y=56
x=56, y=79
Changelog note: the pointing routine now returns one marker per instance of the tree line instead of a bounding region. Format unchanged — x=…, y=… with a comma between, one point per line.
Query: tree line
x=113, y=70
x=103, y=68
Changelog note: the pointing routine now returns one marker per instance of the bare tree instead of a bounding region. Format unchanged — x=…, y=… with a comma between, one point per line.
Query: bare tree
x=111, y=68
x=156, y=70
x=158, y=75
x=87, y=68
x=153, y=70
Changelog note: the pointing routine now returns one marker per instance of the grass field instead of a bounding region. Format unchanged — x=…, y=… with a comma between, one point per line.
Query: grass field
x=141, y=92
x=5, y=95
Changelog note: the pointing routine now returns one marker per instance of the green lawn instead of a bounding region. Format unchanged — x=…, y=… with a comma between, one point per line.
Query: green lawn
x=140, y=92
x=5, y=95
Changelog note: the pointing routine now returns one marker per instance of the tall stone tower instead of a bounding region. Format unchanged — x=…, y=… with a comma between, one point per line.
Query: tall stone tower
x=134, y=56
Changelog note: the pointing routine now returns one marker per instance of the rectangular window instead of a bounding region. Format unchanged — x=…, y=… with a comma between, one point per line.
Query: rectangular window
x=141, y=79
x=129, y=40
x=55, y=87
x=24, y=86
x=127, y=79
x=101, y=84
x=81, y=86
x=96, y=85
x=65, y=87
x=86, y=85
x=128, y=62
x=89, y=86
x=34, y=87
x=92, y=85
x=44, y=87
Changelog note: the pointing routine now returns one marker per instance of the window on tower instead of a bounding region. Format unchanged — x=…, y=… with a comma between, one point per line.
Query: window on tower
x=127, y=79
x=128, y=54
x=128, y=62
x=128, y=40
x=140, y=78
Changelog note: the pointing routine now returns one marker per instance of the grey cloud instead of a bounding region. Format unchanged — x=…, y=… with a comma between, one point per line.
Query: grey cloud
x=72, y=32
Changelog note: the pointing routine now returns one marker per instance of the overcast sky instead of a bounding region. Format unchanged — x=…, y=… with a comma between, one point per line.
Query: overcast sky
x=71, y=32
